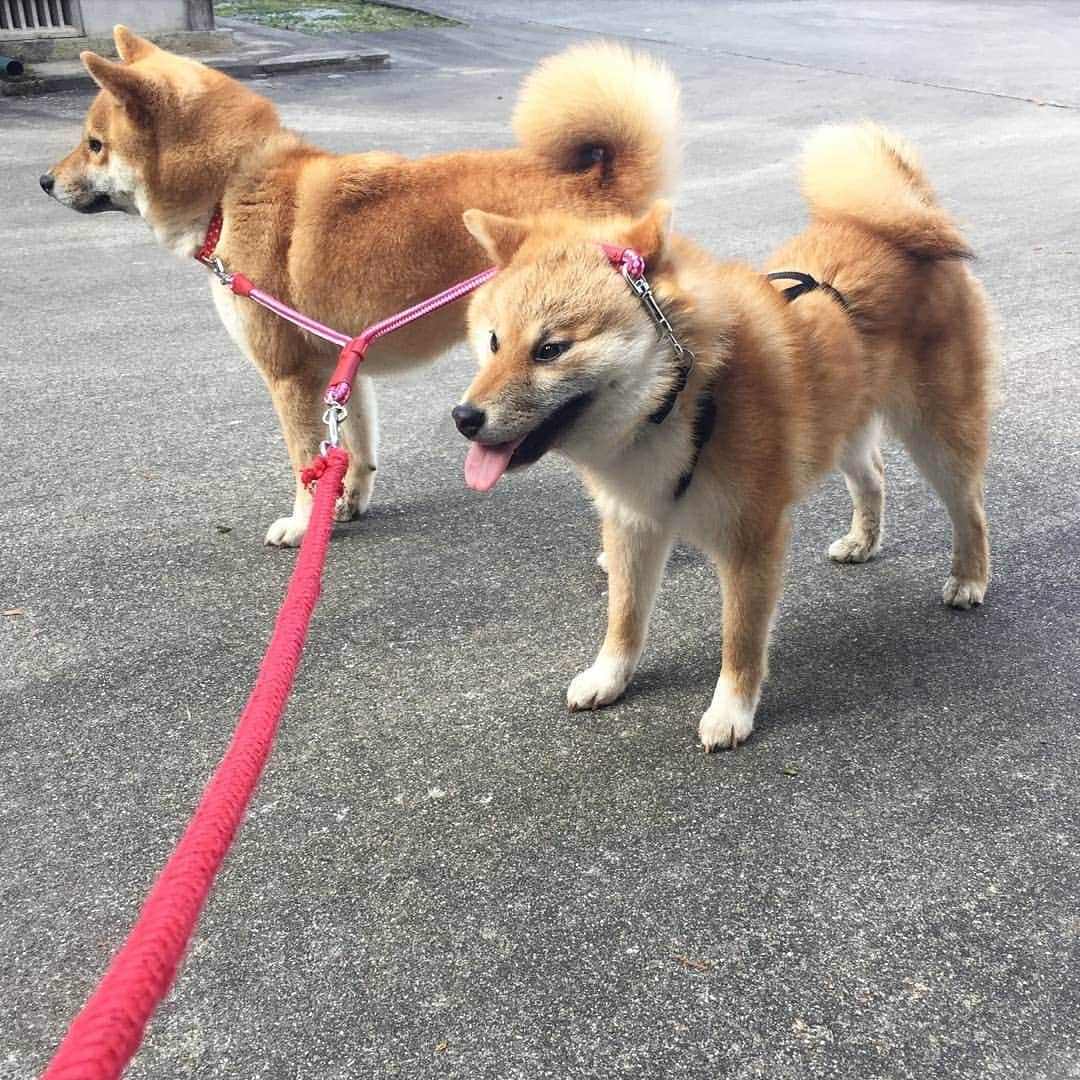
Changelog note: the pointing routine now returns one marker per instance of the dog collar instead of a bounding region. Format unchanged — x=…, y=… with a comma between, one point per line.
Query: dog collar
x=205, y=254
x=632, y=267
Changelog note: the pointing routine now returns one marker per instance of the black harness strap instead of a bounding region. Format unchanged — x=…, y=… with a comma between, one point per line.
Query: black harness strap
x=704, y=422
x=677, y=387
x=705, y=417
x=805, y=283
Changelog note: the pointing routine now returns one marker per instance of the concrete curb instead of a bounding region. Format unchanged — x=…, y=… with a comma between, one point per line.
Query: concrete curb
x=57, y=49
x=32, y=85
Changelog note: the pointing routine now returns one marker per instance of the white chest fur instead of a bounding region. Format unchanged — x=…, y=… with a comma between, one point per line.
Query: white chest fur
x=231, y=314
x=639, y=486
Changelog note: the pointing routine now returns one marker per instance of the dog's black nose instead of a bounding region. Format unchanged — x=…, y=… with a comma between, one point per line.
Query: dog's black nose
x=48, y=181
x=468, y=418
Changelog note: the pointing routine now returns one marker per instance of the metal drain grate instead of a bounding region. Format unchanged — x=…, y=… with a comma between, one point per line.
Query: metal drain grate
x=36, y=15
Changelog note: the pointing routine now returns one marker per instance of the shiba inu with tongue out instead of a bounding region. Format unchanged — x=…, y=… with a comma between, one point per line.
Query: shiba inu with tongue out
x=701, y=400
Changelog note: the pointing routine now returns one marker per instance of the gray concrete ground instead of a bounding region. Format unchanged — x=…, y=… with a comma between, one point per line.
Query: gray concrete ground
x=444, y=874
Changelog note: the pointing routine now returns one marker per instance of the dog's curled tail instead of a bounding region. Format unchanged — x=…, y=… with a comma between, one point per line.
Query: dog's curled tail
x=866, y=174
x=601, y=103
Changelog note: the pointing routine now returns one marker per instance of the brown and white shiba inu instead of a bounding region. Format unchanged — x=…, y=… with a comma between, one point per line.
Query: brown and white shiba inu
x=885, y=322
x=352, y=239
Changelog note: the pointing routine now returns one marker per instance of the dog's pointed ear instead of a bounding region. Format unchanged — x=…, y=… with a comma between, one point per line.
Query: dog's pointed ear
x=126, y=85
x=499, y=236
x=648, y=235
x=130, y=46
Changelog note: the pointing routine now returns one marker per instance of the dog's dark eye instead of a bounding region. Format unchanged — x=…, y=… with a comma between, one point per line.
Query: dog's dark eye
x=494, y=342
x=550, y=350
x=95, y=146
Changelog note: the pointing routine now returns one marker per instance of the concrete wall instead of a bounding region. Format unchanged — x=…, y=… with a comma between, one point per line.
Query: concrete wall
x=99, y=16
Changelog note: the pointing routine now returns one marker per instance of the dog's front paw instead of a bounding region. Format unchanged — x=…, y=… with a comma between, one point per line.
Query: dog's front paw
x=600, y=685
x=727, y=722
x=853, y=549
x=287, y=532
x=963, y=592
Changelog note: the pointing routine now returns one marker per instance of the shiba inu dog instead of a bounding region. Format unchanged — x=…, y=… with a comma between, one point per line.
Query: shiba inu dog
x=352, y=239
x=754, y=388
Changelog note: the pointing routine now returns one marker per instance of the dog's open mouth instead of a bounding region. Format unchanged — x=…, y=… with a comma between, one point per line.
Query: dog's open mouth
x=485, y=463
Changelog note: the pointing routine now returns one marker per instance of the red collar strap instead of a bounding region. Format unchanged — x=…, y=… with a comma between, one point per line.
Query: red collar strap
x=213, y=234
x=632, y=267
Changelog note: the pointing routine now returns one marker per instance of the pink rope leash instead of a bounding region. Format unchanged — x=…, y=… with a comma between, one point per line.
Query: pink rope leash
x=106, y=1034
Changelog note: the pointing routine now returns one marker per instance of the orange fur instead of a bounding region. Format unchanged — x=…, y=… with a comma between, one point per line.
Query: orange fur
x=796, y=388
x=352, y=239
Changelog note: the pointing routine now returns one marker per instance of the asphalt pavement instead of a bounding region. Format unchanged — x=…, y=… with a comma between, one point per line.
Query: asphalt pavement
x=444, y=873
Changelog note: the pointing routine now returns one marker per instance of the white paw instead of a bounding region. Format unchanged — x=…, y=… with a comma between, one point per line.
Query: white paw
x=727, y=722
x=601, y=684
x=963, y=592
x=853, y=549
x=601, y=561
x=286, y=532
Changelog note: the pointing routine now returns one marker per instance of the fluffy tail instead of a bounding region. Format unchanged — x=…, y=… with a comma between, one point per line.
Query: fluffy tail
x=866, y=174
x=600, y=103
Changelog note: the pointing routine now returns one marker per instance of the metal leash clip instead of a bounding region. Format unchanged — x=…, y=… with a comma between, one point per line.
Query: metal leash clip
x=217, y=265
x=644, y=291
x=332, y=418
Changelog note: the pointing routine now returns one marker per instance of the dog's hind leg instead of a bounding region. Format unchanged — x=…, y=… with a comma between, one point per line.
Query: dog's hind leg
x=636, y=553
x=360, y=434
x=864, y=473
x=945, y=425
x=952, y=458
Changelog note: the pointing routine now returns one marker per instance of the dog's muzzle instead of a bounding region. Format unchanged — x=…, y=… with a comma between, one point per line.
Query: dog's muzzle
x=98, y=203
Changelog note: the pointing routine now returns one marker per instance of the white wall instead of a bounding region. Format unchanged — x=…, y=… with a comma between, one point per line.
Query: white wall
x=100, y=16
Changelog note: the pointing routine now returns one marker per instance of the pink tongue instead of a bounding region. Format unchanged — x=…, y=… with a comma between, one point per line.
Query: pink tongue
x=485, y=464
